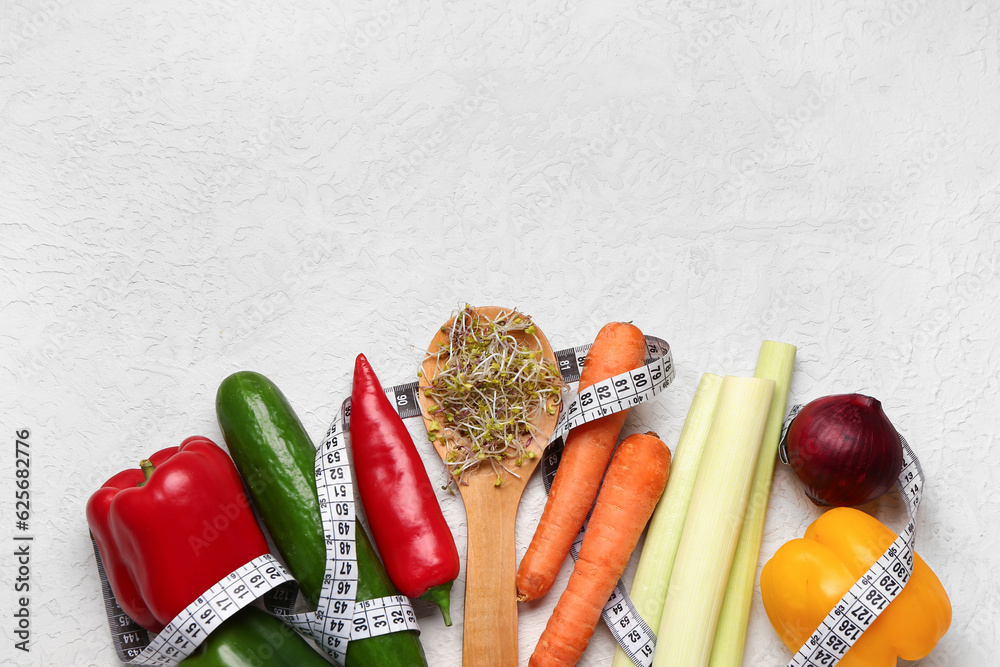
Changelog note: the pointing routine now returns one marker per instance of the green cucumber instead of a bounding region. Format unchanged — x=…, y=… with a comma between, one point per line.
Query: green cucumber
x=276, y=459
x=253, y=638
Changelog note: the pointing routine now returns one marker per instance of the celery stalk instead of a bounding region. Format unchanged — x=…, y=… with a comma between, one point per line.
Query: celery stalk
x=649, y=586
x=774, y=362
x=712, y=526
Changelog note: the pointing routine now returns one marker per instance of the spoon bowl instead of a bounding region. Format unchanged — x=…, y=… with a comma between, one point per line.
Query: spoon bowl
x=490, y=625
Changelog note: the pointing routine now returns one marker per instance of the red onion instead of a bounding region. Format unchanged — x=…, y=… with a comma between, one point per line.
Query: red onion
x=844, y=450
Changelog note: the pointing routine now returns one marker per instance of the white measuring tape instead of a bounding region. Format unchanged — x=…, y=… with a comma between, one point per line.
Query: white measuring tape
x=618, y=393
x=338, y=618
x=192, y=625
x=879, y=586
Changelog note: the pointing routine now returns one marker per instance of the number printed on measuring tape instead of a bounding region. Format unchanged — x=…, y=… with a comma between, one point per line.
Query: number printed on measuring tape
x=620, y=392
x=382, y=616
x=879, y=586
x=193, y=624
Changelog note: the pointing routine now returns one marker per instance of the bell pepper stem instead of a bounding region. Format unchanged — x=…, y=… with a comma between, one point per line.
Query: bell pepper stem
x=147, y=470
x=441, y=596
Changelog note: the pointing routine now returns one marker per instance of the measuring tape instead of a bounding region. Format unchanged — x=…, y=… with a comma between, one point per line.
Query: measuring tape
x=339, y=618
x=193, y=624
x=128, y=637
x=615, y=394
x=879, y=586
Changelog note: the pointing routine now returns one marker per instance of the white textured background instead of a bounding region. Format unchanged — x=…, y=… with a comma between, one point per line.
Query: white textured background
x=192, y=188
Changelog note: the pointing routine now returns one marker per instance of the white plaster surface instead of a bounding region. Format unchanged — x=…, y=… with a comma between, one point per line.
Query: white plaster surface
x=192, y=188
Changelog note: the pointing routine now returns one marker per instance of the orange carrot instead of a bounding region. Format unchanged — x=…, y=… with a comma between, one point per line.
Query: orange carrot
x=619, y=347
x=631, y=489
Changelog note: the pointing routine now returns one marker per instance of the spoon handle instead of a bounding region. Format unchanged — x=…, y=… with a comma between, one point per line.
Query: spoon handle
x=490, y=629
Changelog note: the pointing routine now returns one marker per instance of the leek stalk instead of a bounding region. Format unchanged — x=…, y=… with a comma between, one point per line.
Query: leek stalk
x=712, y=526
x=649, y=586
x=774, y=362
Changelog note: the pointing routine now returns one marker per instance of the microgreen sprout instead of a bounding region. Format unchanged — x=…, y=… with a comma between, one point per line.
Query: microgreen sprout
x=491, y=383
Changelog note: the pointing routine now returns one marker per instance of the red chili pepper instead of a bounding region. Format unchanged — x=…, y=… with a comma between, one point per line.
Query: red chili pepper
x=171, y=530
x=410, y=531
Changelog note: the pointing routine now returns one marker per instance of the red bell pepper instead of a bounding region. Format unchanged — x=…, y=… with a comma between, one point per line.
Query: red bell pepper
x=417, y=547
x=171, y=530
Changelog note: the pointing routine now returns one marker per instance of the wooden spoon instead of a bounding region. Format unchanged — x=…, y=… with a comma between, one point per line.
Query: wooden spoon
x=490, y=627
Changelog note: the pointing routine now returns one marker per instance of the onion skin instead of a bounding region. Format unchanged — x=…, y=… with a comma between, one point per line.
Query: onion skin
x=844, y=450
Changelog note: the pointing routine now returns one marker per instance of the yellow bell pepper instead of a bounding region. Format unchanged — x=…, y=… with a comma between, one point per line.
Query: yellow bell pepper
x=807, y=577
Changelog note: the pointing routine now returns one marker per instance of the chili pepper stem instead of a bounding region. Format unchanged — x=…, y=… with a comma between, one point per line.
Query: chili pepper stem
x=441, y=596
x=147, y=470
